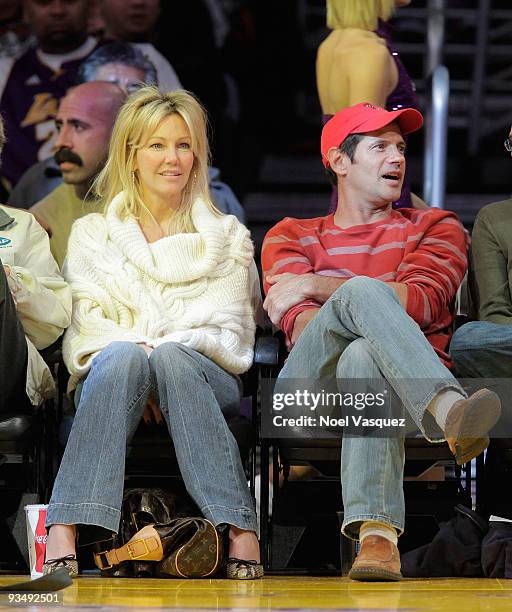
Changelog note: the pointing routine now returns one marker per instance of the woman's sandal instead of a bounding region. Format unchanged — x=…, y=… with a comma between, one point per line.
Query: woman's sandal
x=69, y=562
x=240, y=569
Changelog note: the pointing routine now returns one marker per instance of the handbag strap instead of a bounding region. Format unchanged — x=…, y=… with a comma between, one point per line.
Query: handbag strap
x=144, y=546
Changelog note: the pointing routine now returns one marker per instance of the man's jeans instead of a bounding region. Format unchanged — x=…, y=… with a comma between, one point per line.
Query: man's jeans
x=194, y=396
x=13, y=351
x=363, y=331
x=481, y=349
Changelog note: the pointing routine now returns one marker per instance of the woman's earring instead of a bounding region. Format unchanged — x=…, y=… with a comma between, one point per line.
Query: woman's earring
x=195, y=176
x=133, y=178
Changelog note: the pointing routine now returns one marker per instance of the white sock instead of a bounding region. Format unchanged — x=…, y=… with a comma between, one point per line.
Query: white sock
x=441, y=405
x=379, y=528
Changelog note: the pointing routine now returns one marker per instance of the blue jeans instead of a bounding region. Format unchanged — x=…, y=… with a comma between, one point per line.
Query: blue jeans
x=194, y=396
x=363, y=331
x=483, y=350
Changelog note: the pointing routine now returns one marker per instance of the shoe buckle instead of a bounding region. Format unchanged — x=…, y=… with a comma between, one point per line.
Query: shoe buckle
x=132, y=553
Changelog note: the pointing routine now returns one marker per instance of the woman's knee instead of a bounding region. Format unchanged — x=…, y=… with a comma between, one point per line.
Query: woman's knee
x=129, y=357
x=169, y=353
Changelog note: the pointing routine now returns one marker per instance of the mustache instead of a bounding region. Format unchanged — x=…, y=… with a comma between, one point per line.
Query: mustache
x=67, y=155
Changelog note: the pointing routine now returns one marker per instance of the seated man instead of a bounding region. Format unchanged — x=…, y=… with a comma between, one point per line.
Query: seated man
x=483, y=348
x=366, y=293
x=35, y=308
x=84, y=122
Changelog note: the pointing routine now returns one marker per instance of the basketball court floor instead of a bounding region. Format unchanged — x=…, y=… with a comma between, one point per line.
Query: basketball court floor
x=285, y=594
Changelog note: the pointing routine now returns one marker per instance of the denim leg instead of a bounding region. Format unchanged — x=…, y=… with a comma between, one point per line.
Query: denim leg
x=89, y=486
x=368, y=308
x=371, y=467
x=481, y=349
x=195, y=394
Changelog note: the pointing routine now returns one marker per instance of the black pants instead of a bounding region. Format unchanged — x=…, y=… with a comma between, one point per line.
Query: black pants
x=13, y=352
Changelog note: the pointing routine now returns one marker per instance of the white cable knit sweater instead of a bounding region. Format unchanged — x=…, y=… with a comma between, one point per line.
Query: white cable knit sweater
x=194, y=289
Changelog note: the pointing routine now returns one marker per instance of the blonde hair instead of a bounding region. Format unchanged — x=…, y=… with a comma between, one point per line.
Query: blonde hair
x=362, y=14
x=138, y=118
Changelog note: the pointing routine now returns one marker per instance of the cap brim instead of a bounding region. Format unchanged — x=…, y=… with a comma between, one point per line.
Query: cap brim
x=409, y=120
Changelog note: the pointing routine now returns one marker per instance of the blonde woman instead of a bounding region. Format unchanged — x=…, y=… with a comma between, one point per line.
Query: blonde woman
x=357, y=63
x=163, y=307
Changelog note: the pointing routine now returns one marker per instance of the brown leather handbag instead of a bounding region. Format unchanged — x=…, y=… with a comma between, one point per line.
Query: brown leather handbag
x=183, y=548
x=141, y=507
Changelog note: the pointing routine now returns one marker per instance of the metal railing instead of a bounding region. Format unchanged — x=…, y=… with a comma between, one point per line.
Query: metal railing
x=436, y=116
x=436, y=132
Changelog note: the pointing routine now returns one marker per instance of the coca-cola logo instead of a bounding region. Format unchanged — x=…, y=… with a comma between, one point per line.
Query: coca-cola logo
x=40, y=537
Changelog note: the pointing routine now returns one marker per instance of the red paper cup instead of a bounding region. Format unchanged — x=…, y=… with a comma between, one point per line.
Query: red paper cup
x=36, y=537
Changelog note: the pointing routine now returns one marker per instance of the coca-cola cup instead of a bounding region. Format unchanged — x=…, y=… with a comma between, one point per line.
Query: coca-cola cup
x=36, y=537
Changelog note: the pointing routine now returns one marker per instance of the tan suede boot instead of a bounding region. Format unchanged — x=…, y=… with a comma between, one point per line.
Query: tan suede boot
x=469, y=422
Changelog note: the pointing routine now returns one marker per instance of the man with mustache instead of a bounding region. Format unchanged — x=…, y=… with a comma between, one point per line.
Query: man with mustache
x=84, y=124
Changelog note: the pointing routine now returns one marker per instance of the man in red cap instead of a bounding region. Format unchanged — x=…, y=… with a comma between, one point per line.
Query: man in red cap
x=367, y=293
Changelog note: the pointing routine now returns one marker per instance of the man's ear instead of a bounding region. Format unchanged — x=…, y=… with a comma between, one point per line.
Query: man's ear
x=338, y=161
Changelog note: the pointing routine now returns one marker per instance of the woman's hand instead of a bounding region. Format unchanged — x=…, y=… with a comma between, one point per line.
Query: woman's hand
x=152, y=413
x=147, y=348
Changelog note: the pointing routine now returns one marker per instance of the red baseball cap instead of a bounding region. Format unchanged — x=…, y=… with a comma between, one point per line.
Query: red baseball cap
x=362, y=118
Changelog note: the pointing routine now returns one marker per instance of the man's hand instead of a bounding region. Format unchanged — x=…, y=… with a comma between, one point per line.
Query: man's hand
x=147, y=348
x=287, y=291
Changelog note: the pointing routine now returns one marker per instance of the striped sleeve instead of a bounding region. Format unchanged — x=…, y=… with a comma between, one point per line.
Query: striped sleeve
x=434, y=271
x=283, y=252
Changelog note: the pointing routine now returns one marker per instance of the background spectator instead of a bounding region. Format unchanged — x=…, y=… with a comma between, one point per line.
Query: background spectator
x=14, y=33
x=121, y=63
x=134, y=21
x=32, y=84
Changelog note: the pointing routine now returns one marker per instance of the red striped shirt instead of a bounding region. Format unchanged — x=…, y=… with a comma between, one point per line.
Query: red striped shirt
x=424, y=249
